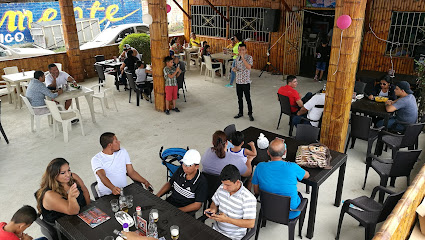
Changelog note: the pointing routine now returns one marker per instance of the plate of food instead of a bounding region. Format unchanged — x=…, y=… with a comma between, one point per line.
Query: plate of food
x=381, y=99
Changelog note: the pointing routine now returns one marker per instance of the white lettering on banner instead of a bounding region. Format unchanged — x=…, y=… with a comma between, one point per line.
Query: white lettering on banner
x=8, y=38
x=19, y=37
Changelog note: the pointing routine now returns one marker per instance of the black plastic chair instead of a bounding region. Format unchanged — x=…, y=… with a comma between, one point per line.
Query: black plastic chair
x=285, y=108
x=307, y=133
x=229, y=130
x=1, y=128
x=361, y=128
x=373, y=212
x=359, y=87
x=213, y=183
x=181, y=83
x=276, y=208
x=400, y=166
x=133, y=87
x=48, y=230
x=100, y=73
x=94, y=190
x=99, y=58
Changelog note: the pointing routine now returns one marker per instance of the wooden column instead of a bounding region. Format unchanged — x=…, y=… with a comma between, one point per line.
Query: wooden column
x=159, y=49
x=70, y=36
x=186, y=21
x=339, y=87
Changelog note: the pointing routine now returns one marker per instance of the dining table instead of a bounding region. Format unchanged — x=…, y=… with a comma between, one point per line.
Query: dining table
x=317, y=175
x=16, y=79
x=73, y=228
x=371, y=108
x=73, y=93
x=226, y=57
x=188, y=51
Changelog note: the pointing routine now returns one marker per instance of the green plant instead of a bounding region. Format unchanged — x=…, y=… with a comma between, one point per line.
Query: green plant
x=421, y=87
x=141, y=42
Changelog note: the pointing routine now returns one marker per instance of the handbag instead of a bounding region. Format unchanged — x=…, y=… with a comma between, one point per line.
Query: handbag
x=315, y=155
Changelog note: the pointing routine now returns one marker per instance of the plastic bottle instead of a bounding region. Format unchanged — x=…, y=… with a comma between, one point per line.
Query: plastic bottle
x=138, y=217
x=123, y=201
x=152, y=229
x=125, y=227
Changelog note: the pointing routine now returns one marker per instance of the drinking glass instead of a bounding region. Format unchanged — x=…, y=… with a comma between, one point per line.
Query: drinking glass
x=130, y=201
x=154, y=214
x=174, y=230
x=114, y=205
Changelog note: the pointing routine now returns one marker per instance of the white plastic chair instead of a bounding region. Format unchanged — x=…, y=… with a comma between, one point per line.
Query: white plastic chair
x=202, y=66
x=196, y=58
x=59, y=65
x=106, y=92
x=64, y=117
x=35, y=116
x=210, y=70
x=10, y=70
x=7, y=89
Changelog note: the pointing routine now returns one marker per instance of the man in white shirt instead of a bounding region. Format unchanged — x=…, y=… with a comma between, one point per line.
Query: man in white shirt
x=112, y=165
x=314, y=110
x=56, y=79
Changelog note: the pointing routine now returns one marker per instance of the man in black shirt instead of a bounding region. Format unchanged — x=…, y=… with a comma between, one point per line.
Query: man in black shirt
x=322, y=56
x=188, y=186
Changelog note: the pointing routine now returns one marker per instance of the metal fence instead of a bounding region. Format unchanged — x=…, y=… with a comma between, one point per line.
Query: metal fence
x=205, y=21
x=249, y=22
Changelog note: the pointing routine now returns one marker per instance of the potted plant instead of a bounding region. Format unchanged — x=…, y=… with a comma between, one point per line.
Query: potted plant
x=141, y=42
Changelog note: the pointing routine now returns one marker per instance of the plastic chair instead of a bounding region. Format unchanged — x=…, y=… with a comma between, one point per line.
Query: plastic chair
x=202, y=66
x=1, y=128
x=99, y=58
x=100, y=72
x=210, y=70
x=94, y=190
x=7, y=89
x=170, y=157
x=361, y=128
x=213, y=183
x=400, y=166
x=359, y=87
x=195, y=57
x=64, y=117
x=181, y=83
x=369, y=212
x=229, y=130
x=49, y=231
x=307, y=133
x=285, y=108
x=133, y=87
x=10, y=70
x=59, y=65
x=276, y=208
x=34, y=116
x=106, y=92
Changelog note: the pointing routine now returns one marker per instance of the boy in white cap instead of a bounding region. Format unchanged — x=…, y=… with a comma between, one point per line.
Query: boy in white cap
x=188, y=186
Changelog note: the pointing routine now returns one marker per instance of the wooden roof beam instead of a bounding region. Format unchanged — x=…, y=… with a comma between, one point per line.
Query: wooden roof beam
x=288, y=9
x=181, y=8
x=218, y=12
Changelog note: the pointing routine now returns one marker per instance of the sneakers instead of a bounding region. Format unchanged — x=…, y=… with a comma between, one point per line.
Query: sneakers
x=167, y=112
x=251, y=118
x=228, y=85
x=175, y=110
x=145, y=96
x=238, y=116
x=315, y=78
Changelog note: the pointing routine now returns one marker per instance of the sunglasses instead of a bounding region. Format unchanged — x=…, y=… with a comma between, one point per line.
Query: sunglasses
x=383, y=84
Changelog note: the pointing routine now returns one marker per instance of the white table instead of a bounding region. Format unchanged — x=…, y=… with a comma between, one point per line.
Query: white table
x=225, y=57
x=16, y=79
x=188, y=51
x=76, y=93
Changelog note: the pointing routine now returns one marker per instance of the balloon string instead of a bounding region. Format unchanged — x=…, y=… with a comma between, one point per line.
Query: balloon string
x=339, y=53
x=392, y=43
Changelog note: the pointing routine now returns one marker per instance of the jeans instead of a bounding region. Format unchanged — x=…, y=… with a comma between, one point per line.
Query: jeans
x=232, y=74
x=391, y=124
x=242, y=89
x=298, y=120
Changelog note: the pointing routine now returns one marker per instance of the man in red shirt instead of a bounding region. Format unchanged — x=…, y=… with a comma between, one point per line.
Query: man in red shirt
x=293, y=95
x=21, y=220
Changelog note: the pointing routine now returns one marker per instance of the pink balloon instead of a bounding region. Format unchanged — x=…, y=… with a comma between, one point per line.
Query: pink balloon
x=168, y=8
x=343, y=22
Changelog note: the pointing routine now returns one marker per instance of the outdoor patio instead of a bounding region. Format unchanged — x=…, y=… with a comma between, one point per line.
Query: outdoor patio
x=143, y=130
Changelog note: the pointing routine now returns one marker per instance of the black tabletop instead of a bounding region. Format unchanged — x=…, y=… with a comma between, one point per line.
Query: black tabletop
x=317, y=175
x=190, y=228
x=370, y=107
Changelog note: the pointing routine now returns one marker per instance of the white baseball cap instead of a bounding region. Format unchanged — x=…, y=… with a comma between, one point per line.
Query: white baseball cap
x=191, y=157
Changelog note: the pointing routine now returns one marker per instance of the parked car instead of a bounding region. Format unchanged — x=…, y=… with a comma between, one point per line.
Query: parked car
x=115, y=34
x=11, y=53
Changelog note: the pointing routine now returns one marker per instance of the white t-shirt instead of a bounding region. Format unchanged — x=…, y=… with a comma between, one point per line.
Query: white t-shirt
x=60, y=80
x=383, y=94
x=141, y=75
x=240, y=153
x=115, y=167
x=313, y=112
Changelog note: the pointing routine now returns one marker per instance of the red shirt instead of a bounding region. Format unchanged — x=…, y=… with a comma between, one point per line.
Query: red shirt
x=292, y=94
x=6, y=235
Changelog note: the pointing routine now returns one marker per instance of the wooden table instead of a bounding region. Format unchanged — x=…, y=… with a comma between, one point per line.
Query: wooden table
x=188, y=51
x=224, y=57
x=76, y=93
x=16, y=79
x=317, y=175
x=75, y=229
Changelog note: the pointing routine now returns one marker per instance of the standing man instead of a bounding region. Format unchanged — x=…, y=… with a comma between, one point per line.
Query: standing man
x=56, y=79
x=242, y=68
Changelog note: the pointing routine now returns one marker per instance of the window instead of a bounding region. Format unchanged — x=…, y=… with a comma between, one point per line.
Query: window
x=206, y=22
x=249, y=22
x=408, y=29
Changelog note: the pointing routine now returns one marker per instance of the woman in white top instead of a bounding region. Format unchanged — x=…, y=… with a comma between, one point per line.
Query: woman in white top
x=384, y=89
x=141, y=80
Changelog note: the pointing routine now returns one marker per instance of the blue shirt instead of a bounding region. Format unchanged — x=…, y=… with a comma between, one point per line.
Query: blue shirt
x=36, y=93
x=280, y=177
x=407, y=109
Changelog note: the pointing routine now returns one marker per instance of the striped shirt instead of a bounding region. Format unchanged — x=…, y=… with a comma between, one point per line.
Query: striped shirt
x=240, y=205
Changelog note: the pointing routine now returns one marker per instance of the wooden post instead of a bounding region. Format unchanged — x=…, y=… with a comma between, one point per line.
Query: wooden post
x=339, y=87
x=159, y=49
x=186, y=21
x=70, y=36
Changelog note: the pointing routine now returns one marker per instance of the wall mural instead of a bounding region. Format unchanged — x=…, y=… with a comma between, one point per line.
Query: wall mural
x=16, y=18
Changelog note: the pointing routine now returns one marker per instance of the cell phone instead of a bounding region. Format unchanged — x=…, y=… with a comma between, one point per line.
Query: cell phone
x=208, y=213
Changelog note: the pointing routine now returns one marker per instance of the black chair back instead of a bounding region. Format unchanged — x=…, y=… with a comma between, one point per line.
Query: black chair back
x=131, y=81
x=411, y=134
x=403, y=163
x=180, y=81
x=360, y=126
x=213, y=184
x=99, y=58
x=307, y=133
x=285, y=106
x=94, y=190
x=275, y=207
x=229, y=130
x=389, y=205
x=359, y=87
x=100, y=73
x=47, y=230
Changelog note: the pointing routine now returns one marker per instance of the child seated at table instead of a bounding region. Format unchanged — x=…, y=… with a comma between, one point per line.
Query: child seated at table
x=142, y=79
x=21, y=220
x=171, y=89
x=237, y=139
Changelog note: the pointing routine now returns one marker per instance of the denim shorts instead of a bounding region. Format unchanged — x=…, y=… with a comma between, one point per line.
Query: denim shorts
x=321, y=66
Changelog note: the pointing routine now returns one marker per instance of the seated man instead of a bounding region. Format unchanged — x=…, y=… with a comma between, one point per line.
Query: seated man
x=279, y=176
x=293, y=95
x=311, y=111
x=238, y=207
x=405, y=108
x=112, y=165
x=134, y=52
x=189, y=188
x=56, y=79
x=37, y=92
x=21, y=220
